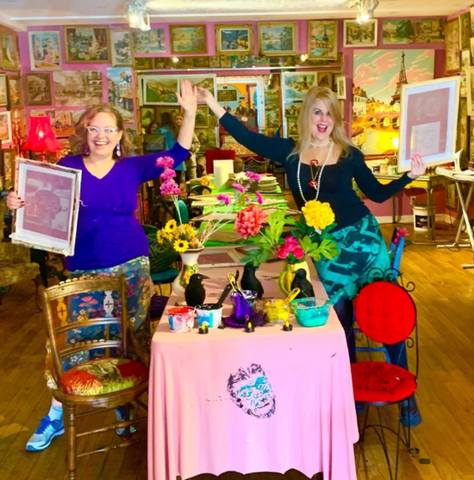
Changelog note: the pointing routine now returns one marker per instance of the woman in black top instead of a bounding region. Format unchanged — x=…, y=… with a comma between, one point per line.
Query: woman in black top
x=321, y=166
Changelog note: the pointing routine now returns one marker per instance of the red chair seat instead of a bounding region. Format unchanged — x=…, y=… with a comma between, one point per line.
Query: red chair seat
x=103, y=375
x=381, y=382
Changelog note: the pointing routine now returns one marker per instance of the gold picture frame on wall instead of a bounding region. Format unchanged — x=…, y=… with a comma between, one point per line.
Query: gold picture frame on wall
x=453, y=46
x=322, y=39
x=278, y=38
x=188, y=39
x=234, y=39
x=9, y=56
x=87, y=44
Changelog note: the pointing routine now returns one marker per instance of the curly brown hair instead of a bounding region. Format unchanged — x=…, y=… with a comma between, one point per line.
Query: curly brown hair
x=79, y=139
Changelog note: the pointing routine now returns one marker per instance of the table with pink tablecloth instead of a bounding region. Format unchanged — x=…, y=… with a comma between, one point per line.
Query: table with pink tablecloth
x=267, y=401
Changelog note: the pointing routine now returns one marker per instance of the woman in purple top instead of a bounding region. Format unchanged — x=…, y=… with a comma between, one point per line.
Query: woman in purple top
x=110, y=240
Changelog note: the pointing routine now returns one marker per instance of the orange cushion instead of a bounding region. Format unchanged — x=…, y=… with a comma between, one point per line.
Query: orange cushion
x=380, y=382
x=103, y=375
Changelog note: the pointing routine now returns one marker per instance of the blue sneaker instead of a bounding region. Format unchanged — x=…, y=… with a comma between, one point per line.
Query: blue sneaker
x=44, y=434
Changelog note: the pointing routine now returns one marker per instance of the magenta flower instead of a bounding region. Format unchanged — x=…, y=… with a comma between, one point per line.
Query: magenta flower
x=254, y=177
x=225, y=199
x=298, y=252
x=169, y=187
x=165, y=162
x=282, y=252
x=259, y=197
x=168, y=174
x=238, y=187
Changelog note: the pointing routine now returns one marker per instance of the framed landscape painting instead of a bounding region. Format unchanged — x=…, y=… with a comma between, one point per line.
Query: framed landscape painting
x=295, y=85
x=86, y=44
x=3, y=91
x=278, y=38
x=357, y=35
x=151, y=41
x=9, y=56
x=5, y=127
x=429, y=30
x=45, y=50
x=77, y=88
x=322, y=39
x=38, y=89
x=398, y=32
x=143, y=63
x=160, y=90
x=121, y=48
x=188, y=39
x=234, y=39
x=15, y=92
x=452, y=44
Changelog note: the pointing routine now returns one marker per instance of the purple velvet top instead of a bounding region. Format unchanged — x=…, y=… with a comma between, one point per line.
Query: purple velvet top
x=108, y=233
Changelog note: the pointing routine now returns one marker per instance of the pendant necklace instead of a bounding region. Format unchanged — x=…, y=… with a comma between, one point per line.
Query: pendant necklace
x=315, y=182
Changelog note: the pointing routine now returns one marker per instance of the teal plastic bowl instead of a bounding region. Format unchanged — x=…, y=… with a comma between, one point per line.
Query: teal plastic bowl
x=311, y=312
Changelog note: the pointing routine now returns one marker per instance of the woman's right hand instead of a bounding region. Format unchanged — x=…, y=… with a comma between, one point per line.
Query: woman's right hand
x=203, y=95
x=14, y=202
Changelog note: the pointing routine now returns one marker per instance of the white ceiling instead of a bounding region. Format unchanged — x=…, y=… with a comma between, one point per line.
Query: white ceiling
x=23, y=13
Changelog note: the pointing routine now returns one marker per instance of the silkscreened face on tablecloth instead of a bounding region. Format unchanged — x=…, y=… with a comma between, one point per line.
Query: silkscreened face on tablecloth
x=251, y=391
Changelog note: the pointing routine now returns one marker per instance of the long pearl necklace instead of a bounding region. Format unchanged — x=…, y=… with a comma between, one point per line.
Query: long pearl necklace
x=318, y=180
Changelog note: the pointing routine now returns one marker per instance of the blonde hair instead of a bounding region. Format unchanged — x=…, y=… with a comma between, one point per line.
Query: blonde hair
x=79, y=138
x=338, y=135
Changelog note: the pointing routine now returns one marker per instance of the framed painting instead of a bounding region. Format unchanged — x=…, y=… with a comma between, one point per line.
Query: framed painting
x=200, y=62
x=214, y=62
x=465, y=29
x=325, y=79
x=465, y=65
x=322, y=39
x=10, y=59
x=462, y=140
x=159, y=63
x=15, y=92
x=295, y=85
x=341, y=87
x=278, y=38
x=202, y=116
x=38, y=89
x=77, y=88
x=8, y=171
x=208, y=138
x=234, y=39
x=452, y=45
x=398, y=32
x=143, y=63
x=147, y=116
x=49, y=219
x=62, y=121
x=470, y=91
x=428, y=121
x=18, y=118
x=204, y=81
x=173, y=111
x=159, y=90
x=429, y=30
x=151, y=41
x=121, y=48
x=120, y=93
x=357, y=35
x=45, y=50
x=188, y=39
x=87, y=44
x=3, y=91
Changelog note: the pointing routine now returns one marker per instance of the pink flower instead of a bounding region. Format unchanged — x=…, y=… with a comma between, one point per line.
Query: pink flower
x=247, y=199
x=249, y=221
x=282, y=252
x=254, y=177
x=165, y=162
x=169, y=187
x=238, y=187
x=222, y=197
x=168, y=174
x=298, y=252
x=291, y=243
x=259, y=198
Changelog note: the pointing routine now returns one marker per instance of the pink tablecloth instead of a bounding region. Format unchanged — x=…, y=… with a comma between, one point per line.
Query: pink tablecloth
x=267, y=401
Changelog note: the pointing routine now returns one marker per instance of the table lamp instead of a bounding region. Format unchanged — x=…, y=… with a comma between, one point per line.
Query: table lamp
x=41, y=138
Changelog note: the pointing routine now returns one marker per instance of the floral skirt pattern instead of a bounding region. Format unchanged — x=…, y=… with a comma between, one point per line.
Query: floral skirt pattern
x=362, y=248
x=94, y=305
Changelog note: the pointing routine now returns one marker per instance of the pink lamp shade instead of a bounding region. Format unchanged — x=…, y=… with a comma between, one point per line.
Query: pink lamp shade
x=41, y=137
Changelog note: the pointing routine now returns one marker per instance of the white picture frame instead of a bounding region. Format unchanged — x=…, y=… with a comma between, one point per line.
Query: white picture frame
x=5, y=127
x=51, y=193
x=341, y=88
x=428, y=122
x=358, y=35
x=45, y=50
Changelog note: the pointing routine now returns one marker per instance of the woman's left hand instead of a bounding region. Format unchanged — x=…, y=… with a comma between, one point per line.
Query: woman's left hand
x=418, y=167
x=188, y=97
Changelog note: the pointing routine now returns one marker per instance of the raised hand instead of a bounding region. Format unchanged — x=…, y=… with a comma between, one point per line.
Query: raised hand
x=14, y=202
x=418, y=167
x=203, y=95
x=188, y=97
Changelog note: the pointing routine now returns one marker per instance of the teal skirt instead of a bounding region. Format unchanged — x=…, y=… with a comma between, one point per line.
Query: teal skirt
x=362, y=249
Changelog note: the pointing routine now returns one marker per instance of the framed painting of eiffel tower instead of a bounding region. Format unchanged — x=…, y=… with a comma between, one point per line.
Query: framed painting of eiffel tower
x=322, y=39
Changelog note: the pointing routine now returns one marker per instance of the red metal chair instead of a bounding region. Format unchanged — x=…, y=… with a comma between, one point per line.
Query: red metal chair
x=386, y=314
x=217, y=154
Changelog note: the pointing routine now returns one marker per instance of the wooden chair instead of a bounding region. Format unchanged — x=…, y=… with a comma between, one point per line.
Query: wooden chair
x=103, y=377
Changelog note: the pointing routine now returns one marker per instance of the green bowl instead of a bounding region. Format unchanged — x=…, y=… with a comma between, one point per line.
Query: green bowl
x=311, y=312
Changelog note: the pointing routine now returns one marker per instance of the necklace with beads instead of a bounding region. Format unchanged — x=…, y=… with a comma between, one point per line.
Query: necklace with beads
x=315, y=182
x=320, y=144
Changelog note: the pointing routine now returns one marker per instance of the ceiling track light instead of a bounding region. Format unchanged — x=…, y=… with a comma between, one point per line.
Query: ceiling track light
x=138, y=16
x=365, y=9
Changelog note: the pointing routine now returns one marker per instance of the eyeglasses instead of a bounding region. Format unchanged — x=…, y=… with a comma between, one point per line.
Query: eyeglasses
x=106, y=130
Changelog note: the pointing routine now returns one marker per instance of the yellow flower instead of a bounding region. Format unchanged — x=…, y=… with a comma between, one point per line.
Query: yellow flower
x=187, y=275
x=170, y=227
x=318, y=215
x=159, y=236
x=181, y=246
x=189, y=230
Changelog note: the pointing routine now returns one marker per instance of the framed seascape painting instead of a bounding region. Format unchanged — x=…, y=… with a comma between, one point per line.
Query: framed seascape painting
x=45, y=50
x=86, y=44
x=278, y=38
x=121, y=48
x=234, y=39
x=15, y=92
x=77, y=88
x=322, y=39
x=398, y=32
x=38, y=89
x=357, y=35
x=429, y=30
x=428, y=122
x=452, y=44
x=294, y=86
x=159, y=90
x=9, y=57
x=3, y=91
x=188, y=39
x=49, y=219
x=151, y=41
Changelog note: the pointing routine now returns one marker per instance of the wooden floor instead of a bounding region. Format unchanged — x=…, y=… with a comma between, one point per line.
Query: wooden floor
x=444, y=297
